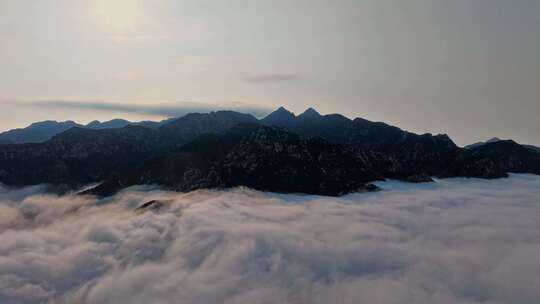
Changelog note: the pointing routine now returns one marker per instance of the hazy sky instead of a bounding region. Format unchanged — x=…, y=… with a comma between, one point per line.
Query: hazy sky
x=469, y=68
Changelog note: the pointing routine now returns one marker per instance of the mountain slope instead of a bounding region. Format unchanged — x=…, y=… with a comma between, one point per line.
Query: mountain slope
x=478, y=144
x=40, y=132
x=275, y=159
x=75, y=157
x=36, y=132
x=496, y=139
x=413, y=154
x=81, y=155
x=281, y=118
x=188, y=127
x=531, y=147
x=496, y=159
x=259, y=157
x=120, y=123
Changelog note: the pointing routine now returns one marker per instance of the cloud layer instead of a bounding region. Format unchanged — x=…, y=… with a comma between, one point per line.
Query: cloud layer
x=167, y=110
x=274, y=78
x=455, y=241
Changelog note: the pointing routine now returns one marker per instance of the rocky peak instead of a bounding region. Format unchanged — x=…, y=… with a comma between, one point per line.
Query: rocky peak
x=282, y=112
x=282, y=109
x=280, y=117
x=310, y=113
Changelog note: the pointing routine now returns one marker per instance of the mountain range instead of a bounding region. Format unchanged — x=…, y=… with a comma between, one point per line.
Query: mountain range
x=44, y=130
x=309, y=153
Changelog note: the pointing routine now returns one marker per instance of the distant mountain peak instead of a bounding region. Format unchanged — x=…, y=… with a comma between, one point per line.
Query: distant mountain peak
x=52, y=123
x=93, y=122
x=478, y=144
x=310, y=112
x=36, y=132
x=282, y=109
x=280, y=117
x=111, y=124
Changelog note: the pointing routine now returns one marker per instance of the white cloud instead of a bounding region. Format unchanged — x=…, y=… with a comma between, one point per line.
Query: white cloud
x=455, y=241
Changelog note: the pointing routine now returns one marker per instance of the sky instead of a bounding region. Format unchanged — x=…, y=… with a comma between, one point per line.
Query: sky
x=464, y=241
x=466, y=68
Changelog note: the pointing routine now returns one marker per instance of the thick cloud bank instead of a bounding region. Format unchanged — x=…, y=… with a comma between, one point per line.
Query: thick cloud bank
x=455, y=241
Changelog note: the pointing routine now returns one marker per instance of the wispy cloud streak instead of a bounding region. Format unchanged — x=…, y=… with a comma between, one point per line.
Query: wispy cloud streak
x=164, y=109
x=274, y=78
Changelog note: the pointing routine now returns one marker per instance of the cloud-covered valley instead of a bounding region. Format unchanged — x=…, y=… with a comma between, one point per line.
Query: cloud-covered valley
x=454, y=241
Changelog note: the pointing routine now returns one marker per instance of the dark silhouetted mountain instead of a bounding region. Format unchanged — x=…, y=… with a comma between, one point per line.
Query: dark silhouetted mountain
x=187, y=128
x=478, y=144
x=275, y=159
x=339, y=129
x=36, y=132
x=120, y=123
x=281, y=117
x=309, y=153
x=496, y=159
x=310, y=113
x=42, y=131
x=81, y=155
x=76, y=157
x=531, y=147
x=496, y=139
x=374, y=134
x=310, y=124
x=111, y=124
x=263, y=158
x=411, y=152
x=330, y=127
x=270, y=159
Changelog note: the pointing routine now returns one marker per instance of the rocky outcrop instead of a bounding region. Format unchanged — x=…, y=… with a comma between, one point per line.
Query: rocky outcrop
x=263, y=158
x=277, y=160
x=154, y=205
x=495, y=160
x=418, y=178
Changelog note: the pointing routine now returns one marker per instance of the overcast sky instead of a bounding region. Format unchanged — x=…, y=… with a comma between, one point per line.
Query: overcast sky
x=467, y=68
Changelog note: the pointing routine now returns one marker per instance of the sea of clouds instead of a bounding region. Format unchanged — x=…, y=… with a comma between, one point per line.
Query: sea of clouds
x=453, y=241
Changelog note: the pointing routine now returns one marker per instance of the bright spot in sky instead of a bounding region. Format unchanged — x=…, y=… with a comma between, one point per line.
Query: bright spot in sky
x=119, y=17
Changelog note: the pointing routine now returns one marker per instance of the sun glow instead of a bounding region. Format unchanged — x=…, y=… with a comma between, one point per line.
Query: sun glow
x=119, y=17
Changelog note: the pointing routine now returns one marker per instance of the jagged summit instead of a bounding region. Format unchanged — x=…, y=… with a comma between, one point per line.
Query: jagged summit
x=280, y=117
x=310, y=113
x=282, y=109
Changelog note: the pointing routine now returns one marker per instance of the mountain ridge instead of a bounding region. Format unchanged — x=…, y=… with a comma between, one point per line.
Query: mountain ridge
x=312, y=153
x=42, y=131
